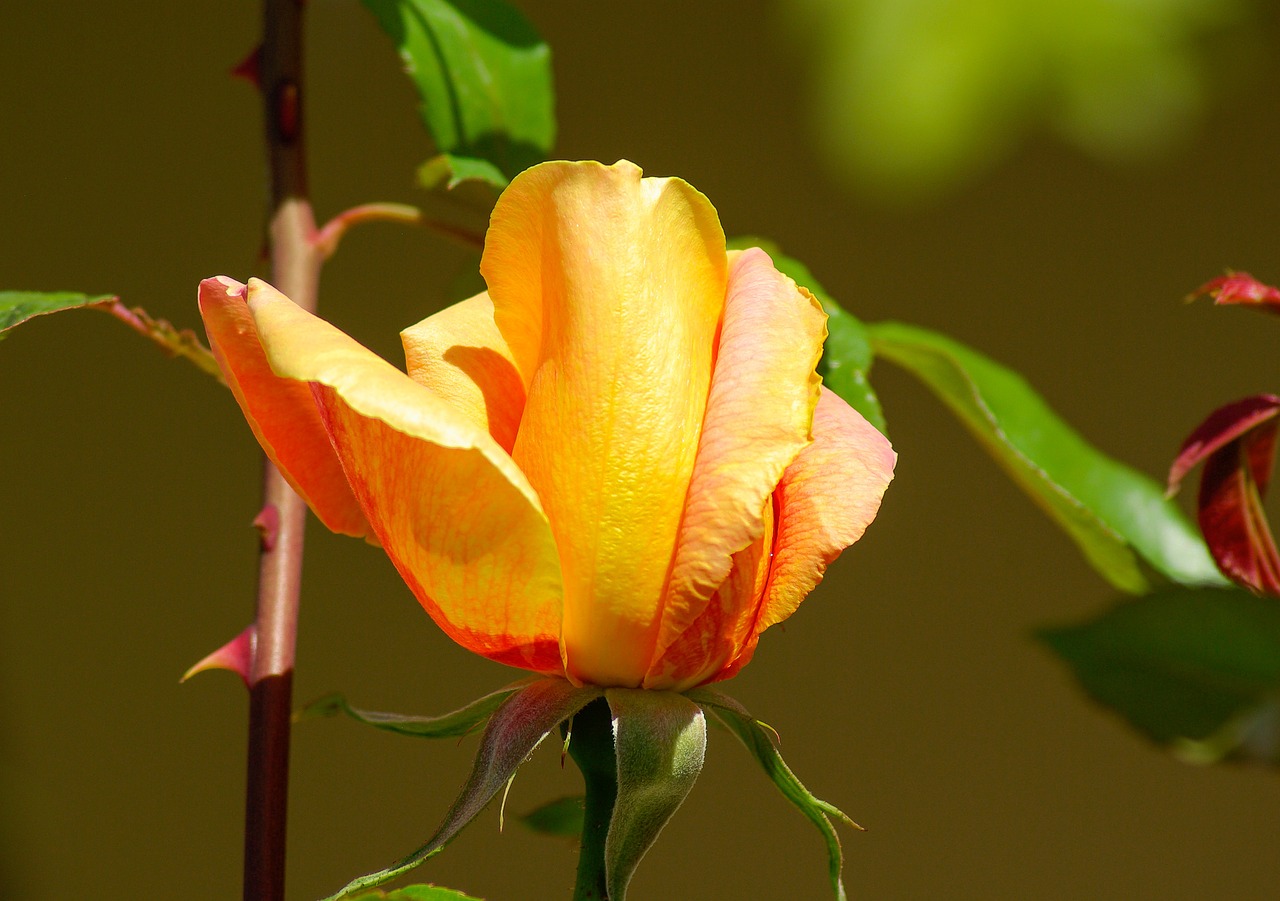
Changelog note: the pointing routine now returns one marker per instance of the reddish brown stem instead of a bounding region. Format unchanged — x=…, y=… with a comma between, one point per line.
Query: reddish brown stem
x=295, y=270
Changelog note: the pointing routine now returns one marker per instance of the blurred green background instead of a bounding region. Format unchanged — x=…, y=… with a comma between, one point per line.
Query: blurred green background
x=907, y=689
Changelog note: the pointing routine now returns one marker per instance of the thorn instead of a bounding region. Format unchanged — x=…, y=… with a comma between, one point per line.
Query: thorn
x=249, y=68
x=236, y=655
x=268, y=525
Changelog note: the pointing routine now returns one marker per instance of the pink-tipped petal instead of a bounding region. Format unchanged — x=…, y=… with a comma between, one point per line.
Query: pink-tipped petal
x=725, y=629
x=236, y=655
x=759, y=412
x=461, y=356
x=826, y=500
x=452, y=511
x=281, y=412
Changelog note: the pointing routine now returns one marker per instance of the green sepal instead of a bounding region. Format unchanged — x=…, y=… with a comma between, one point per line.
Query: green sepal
x=450, y=725
x=514, y=730
x=1195, y=670
x=483, y=76
x=1119, y=518
x=18, y=306
x=414, y=893
x=755, y=738
x=847, y=354
x=561, y=818
x=660, y=740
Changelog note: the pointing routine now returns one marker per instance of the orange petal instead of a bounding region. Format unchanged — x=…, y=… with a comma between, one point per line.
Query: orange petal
x=608, y=289
x=758, y=417
x=461, y=356
x=725, y=628
x=456, y=516
x=826, y=500
x=282, y=413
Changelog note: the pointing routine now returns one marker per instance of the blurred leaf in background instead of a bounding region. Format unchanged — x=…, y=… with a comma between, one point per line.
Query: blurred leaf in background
x=912, y=97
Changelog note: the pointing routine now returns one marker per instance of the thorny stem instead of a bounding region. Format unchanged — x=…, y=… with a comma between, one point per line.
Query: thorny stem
x=295, y=270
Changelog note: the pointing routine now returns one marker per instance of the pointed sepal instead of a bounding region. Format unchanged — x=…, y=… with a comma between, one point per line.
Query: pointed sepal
x=754, y=735
x=450, y=725
x=518, y=726
x=236, y=655
x=660, y=739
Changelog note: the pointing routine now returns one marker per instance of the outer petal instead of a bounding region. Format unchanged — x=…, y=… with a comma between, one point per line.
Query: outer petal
x=758, y=417
x=826, y=500
x=281, y=412
x=461, y=356
x=608, y=290
x=456, y=516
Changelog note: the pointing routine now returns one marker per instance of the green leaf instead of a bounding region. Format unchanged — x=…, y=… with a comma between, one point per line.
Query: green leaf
x=514, y=730
x=1197, y=670
x=414, y=893
x=847, y=354
x=450, y=171
x=756, y=740
x=483, y=76
x=19, y=306
x=1119, y=518
x=561, y=818
x=660, y=739
x=450, y=725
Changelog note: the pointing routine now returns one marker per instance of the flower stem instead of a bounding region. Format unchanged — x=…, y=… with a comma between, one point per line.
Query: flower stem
x=295, y=270
x=591, y=747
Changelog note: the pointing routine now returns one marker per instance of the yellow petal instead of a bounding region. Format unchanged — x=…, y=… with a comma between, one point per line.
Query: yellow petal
x=827, y=498
x=461, y=356
x=456, y=516
x=608, y=290
x=282, y=413
x=758, y=418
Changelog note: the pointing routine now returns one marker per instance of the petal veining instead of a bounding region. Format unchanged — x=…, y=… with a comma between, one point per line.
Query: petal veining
x=281, y=412
x=459, y=520
x=826, y=500
x=759, y=413
x=723, y=635
x=608, y=289
x=461, y=356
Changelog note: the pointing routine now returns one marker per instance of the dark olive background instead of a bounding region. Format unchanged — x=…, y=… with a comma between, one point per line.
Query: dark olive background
x=907, y=689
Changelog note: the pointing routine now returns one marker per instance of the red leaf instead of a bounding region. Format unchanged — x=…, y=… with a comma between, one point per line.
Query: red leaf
x=1223, y=426
x=1237, y=445
x=1240, y=288
x=1231, y=515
